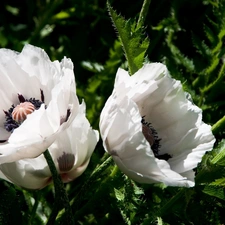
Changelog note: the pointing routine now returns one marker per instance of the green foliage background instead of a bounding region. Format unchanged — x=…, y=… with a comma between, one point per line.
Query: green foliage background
x=188, y=36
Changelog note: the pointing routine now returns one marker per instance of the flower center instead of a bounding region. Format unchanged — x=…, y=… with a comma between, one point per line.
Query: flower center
x=151, y=136
x=20, y=112
x=16, y=115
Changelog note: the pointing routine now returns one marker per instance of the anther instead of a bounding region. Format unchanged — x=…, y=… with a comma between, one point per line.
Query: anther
x=148, y=134
x=68, y=112
x=42, y=96
x=21, y=98
x=151, y=136
x=6, y=113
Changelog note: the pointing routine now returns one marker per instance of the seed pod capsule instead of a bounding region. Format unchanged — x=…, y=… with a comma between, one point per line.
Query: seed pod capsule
x=21, y=111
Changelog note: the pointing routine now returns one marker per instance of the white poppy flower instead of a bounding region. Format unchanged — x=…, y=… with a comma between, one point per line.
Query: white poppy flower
x=38, y=101
x=71, y=153
x=152, y=130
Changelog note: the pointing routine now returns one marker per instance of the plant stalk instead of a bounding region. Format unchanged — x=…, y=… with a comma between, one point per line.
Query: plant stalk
x=61, y=198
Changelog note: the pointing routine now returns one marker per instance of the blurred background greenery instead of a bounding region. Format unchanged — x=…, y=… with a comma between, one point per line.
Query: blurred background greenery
x=188, y=36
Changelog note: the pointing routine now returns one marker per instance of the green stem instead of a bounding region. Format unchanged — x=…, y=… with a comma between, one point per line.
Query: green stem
x=166, y=209
x=169, y=205
x=78, y=205
x=143, y=13
x=218, y=126
x=34, y=209
x=95, y=174
x=61, y=198
x=217, y=81
x=104, y=189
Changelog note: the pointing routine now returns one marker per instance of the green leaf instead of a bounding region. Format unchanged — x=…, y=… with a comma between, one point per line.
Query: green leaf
x=93, y=67
x=15, y=11
x=219, y=182
x=219, y=153
x=160, y=221
x=210, y=35
x=131, y=38
x=201, y=46
x=119, y=195
x=178, y=56
x=216, y=188
x=215, y=191
x=61, y=15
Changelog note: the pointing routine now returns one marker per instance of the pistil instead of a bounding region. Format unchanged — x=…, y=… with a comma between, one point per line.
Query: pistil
x=17, y=114
x=21, y=111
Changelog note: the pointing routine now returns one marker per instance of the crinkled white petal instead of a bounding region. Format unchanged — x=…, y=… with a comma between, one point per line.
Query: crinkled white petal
x=132, y=153
x=79, y=140
x=15, y=80
x=152, y=93
x=27, y=173
x=4, y=135
x=28, y=73
x=2, y=176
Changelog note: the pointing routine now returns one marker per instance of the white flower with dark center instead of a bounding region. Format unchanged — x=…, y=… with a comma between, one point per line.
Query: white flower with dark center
x=152, y=129
x=38, y=101
x=71, y=153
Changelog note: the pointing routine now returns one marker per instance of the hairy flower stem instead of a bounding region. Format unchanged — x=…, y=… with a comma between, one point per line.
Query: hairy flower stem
x=61, y=198
x=216, y=81
x=93, y=177
x=104, y=189
x=82, y=195
x=34, y=209
x=168, y=206
x=95, y=174
x=166, y=209
x=143, y=13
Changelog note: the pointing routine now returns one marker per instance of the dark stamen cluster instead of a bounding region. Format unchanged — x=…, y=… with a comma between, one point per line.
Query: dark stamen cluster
x=11, y=124
x=68, y=112
x=64, y=119
x=156, y=144
x=37, y=103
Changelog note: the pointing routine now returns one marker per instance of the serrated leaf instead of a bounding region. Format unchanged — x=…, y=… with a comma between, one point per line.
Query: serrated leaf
x=215, y=191
x=131, y=38
x=201, y=46
x=178, y=56
x=219, y=153
x=219, y=182
x=210, y=35
x=220, y=42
